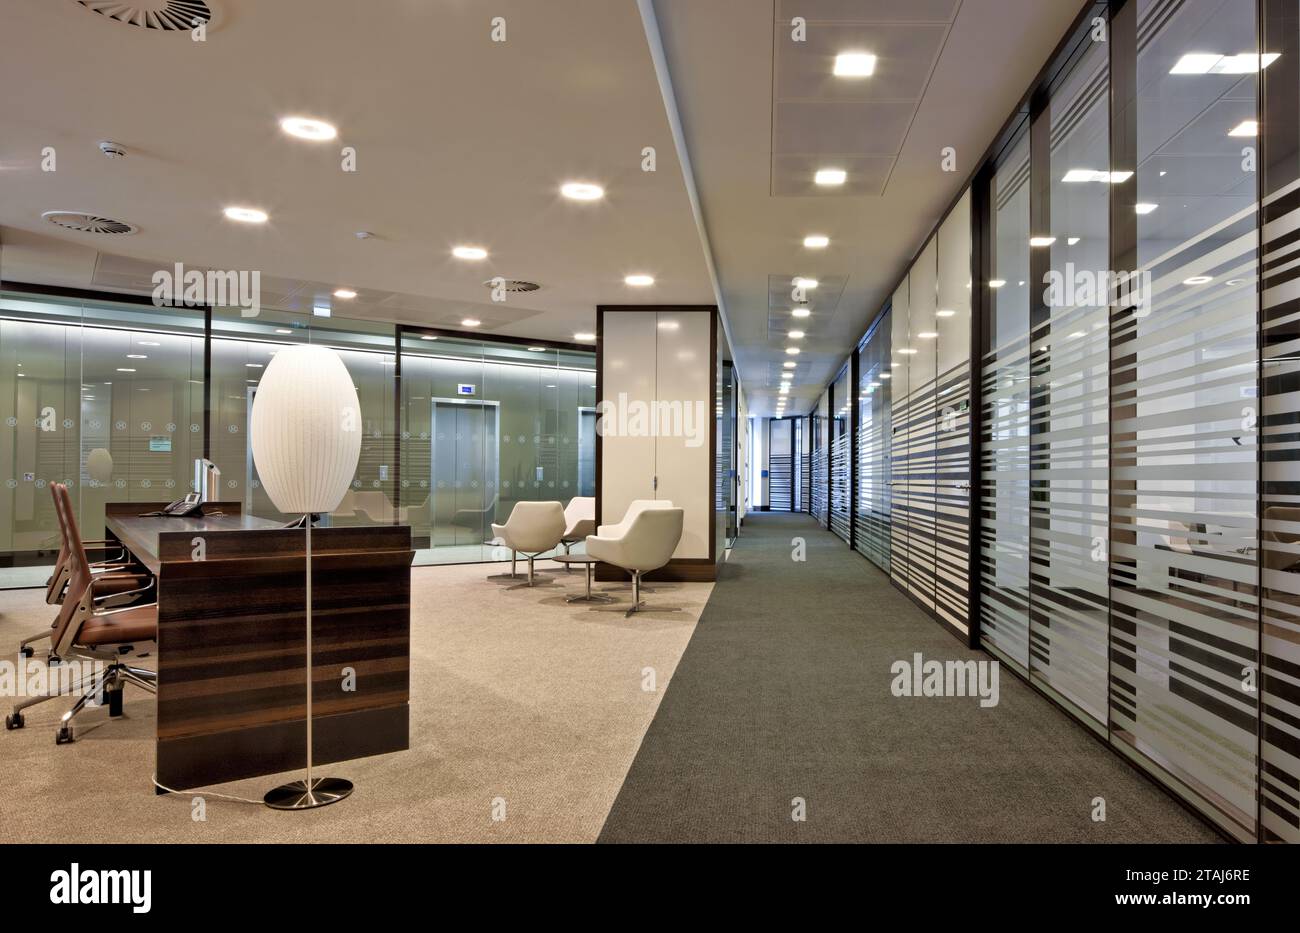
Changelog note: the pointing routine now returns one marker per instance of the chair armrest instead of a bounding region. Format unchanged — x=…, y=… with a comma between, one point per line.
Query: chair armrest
x=118, y=578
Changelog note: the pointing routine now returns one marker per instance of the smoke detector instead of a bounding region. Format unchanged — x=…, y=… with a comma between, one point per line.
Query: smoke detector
x=86, y=222
x=111, y=149
x=154, y=15
x=511, y=285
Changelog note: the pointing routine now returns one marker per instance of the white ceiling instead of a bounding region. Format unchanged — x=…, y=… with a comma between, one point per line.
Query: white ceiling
x=459, y=139
x=761, y=111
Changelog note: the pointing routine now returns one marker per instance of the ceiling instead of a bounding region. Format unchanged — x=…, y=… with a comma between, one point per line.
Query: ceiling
x=761, y=111
x=463, y=140
x=458, y=139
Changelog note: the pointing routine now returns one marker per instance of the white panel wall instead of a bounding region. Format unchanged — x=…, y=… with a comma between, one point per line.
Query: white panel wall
x=684, y=466
x=628, y=368
x=660, y=356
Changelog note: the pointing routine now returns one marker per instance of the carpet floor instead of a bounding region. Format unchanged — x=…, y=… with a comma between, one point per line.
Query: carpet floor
x=516, y=699
x=784, y=693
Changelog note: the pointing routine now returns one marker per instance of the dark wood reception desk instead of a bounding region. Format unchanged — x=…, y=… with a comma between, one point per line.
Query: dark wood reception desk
x=231, y=640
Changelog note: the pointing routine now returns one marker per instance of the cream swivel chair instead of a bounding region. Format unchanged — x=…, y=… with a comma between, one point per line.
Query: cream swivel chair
x=532, y=529
x=644, y=543
x=579, y=521
x=635, y=508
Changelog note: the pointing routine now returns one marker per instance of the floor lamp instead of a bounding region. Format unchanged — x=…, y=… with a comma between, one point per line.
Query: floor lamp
x=306, y=438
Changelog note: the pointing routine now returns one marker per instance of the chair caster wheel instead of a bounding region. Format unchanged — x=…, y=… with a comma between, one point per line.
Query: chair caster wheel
x=14, y=721
x=27, y=651
x=63, y=736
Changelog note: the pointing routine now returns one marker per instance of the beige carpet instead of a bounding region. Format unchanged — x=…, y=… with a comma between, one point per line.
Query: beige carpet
x=514, y=695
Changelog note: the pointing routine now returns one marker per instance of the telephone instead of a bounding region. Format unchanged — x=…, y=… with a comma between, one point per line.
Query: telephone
x=181, y=508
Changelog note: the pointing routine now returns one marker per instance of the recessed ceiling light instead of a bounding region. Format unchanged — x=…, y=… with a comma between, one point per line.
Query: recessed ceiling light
x=427, y=337
x=804, y=283
x=1042, y=240
x=344, y=293
x=1070, y=241
x=1144, y=208
x=584, y=336
x=945, y=312
x=855, y=65
x=150, y=343
x=536, y=349
x=246, y=215
x=927, y=335
x=283, y=330
x=1198, y=280
x=1245, y=128
x=253, y=365
x=307, y=128
x=793, y=351
x=1203, y=63
x=1087, y=174
x=789, y=364
x=321, y=310
x=799, y=312
x=907, y=350
x=997, y=283
x=582, y=191
x=469, y=252
x=639, y=280
x=136, y=356
x=830, y=176
x=470, y=322
x=123, y=369
x=816, y=241
x=796, y=335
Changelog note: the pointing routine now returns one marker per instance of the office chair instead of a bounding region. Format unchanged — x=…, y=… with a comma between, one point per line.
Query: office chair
x=86, y=631
x=57, y=584
x=618, y=529
x=579, y=521
x=532, y=529
x=644, y=544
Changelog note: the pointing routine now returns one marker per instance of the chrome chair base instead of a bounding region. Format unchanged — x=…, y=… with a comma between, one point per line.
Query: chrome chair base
x=296, y=795
x=590, y=598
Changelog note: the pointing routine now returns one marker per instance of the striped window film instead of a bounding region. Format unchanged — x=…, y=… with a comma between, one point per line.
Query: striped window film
x=1004, y=434
x=1279, y=778
x=820, y=462
x=840, y=506
x=780, y=468
x=953, y=423
x=871, y=511
x=1068, y=402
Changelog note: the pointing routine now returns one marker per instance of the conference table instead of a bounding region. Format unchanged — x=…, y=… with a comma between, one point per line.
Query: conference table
x=232, y=640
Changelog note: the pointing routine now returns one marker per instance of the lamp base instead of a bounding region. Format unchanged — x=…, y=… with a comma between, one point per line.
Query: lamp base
x=297, y=796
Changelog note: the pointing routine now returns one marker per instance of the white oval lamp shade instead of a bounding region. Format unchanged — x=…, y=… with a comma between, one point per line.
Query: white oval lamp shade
x=306, y=430
x=99, y=464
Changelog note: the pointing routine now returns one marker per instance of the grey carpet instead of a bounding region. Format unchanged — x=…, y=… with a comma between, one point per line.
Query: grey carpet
x=784, y=692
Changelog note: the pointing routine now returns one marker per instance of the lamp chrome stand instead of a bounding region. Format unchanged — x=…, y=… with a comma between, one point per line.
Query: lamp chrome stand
x=312, y=792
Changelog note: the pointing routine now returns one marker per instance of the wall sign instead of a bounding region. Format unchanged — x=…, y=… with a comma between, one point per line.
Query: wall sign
x=465, y=388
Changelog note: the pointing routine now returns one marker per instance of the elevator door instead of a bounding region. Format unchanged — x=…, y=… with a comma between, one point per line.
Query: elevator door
x=464, y=471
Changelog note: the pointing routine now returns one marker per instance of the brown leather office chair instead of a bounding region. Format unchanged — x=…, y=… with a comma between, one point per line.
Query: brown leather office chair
x=57, y=585
x=87, y=632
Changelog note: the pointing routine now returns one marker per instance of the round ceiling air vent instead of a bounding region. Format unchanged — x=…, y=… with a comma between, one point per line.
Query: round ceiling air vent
x=83, y=222
x=512, y=285
x=158, y=15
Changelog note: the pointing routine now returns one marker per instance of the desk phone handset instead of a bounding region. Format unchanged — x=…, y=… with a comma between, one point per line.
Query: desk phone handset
x=182, y=508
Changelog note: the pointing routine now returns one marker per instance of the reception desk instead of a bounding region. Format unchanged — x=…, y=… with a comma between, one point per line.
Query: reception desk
x=231, y=640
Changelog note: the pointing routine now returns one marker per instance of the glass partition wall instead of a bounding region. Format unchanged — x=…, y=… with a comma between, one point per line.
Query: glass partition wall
x=113, y=398
x=1133, y=421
